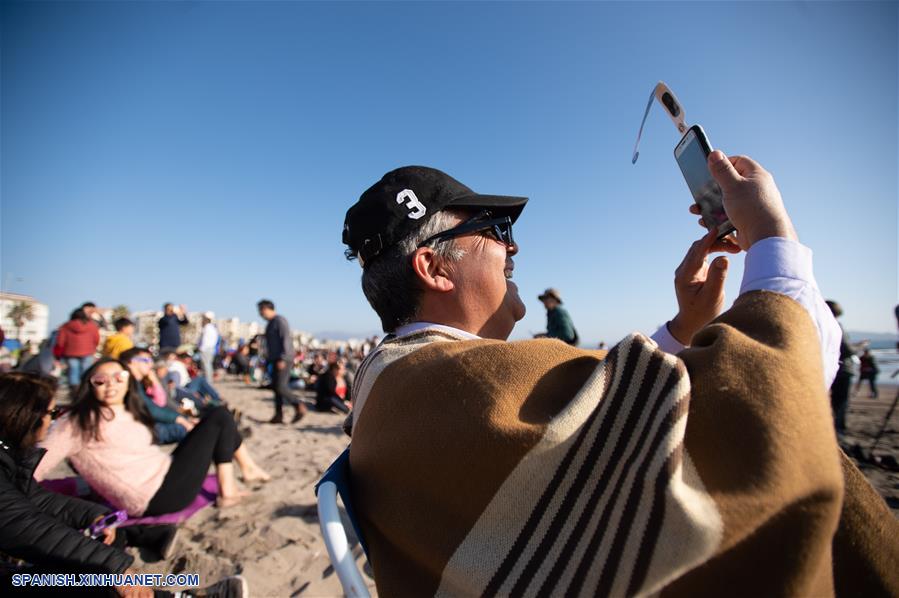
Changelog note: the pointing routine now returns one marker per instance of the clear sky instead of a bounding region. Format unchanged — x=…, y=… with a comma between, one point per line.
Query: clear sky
x=205, y=153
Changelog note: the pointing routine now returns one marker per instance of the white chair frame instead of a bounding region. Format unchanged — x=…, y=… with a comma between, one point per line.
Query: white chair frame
x=337, y=544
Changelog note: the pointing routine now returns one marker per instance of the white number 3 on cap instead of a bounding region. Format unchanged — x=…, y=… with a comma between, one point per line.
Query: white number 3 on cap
x=415, y=207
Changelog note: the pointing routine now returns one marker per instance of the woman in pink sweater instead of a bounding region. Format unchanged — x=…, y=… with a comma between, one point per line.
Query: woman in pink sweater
x=108, y=435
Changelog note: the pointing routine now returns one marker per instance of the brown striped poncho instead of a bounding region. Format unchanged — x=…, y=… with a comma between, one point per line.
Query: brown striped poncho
x=534, y=468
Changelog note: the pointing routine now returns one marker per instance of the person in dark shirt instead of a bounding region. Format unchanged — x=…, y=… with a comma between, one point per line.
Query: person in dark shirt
x=868, y=370
x=842, y=384
x=169, y=327
x=280, y=353
x=558, y=322
x=333, y=389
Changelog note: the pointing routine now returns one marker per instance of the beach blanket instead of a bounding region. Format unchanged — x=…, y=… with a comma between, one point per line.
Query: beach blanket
x=76, y=486
x=535, y=468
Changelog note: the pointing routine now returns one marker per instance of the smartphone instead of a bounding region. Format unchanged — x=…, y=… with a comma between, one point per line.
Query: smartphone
x=692, y=155
x=111, y=520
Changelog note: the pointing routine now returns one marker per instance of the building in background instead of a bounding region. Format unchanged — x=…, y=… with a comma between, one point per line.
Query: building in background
x=34, y=329
x=234, y=331
x=146, y=327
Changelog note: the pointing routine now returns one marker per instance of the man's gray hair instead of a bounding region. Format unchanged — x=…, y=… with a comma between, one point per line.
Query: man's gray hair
x=390, y=283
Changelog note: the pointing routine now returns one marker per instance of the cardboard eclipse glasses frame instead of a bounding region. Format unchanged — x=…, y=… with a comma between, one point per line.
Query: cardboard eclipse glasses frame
x=673, y=108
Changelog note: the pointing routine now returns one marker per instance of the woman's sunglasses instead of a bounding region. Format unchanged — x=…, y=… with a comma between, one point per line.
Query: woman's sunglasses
x=498, y=228
x=99, y=380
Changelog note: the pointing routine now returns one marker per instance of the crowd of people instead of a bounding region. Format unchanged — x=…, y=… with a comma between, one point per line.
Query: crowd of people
x=123, y=400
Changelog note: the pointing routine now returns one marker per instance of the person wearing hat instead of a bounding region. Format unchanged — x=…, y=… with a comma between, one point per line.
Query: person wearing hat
x=558, y=322
x=486, y=467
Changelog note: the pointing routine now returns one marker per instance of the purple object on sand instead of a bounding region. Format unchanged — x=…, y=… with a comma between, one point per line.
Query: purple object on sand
x=72, y=486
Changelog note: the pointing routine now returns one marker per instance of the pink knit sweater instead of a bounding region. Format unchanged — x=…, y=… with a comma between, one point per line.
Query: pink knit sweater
x=124, y=466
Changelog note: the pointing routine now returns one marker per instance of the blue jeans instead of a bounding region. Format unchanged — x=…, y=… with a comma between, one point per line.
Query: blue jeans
x=201, y=385
x=77, y=366
x=169, y=433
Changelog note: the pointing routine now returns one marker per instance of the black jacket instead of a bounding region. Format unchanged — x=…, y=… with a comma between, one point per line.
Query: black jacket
x=326, y=388
x=42, y=527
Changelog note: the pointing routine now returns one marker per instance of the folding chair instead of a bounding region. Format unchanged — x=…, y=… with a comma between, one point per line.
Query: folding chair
x=336, y=480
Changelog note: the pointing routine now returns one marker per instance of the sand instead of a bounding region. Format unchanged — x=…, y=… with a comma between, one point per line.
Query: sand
x=863, y=422
x=272, y=538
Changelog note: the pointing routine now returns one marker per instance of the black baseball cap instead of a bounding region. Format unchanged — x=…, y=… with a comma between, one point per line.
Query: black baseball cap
x=404, y=199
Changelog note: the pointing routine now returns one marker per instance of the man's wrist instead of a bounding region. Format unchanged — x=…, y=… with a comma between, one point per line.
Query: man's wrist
x=680, y=331
x=783, y=230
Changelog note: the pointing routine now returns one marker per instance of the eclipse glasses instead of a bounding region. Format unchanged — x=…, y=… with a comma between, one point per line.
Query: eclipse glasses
x=673, y=108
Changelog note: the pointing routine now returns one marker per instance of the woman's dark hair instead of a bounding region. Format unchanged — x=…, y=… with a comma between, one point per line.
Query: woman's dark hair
x=86, y=409
x=78, y=314
x=128, y=355
x=24, y=400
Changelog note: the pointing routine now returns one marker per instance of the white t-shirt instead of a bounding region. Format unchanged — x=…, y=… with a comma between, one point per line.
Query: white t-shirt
x=208, y=338
x=177, y=373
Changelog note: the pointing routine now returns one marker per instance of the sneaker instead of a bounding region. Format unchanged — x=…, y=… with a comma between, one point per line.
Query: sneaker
x=277, y=419
x=229, y=587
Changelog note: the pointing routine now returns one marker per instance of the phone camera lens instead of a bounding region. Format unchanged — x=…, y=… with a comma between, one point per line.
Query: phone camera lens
x=670, y=104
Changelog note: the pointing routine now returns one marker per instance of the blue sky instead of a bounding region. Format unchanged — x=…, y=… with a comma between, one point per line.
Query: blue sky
x=205, y=153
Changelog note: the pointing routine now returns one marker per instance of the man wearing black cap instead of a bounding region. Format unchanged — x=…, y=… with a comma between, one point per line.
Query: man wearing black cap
x=481, y=466
x=558, y=322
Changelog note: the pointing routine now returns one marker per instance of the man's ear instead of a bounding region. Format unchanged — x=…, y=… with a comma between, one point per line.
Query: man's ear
x=431, y=271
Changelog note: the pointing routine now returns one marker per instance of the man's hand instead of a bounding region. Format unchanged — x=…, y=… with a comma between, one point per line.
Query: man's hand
x=187, y=423
x=699, y=287
x=280, y=364
x=751, y=199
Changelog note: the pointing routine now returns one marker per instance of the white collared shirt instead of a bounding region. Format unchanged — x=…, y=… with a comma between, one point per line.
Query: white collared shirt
x=416, y=326
x=783, y=266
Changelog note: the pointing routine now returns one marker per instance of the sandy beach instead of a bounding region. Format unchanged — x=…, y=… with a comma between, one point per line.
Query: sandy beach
x=272, y=537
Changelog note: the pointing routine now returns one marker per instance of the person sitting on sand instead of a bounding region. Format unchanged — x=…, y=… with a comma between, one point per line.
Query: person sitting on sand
x=180, y=385
x=240, y=362
x=332, y=390
x=108, y=435
x=169, y=424
x=37, y=525
x=702, y=464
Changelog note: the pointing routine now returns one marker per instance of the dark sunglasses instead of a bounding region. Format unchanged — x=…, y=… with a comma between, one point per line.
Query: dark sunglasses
x=498, y=228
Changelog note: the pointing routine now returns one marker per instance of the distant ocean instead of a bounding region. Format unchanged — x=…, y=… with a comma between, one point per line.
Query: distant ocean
x=888, y=362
